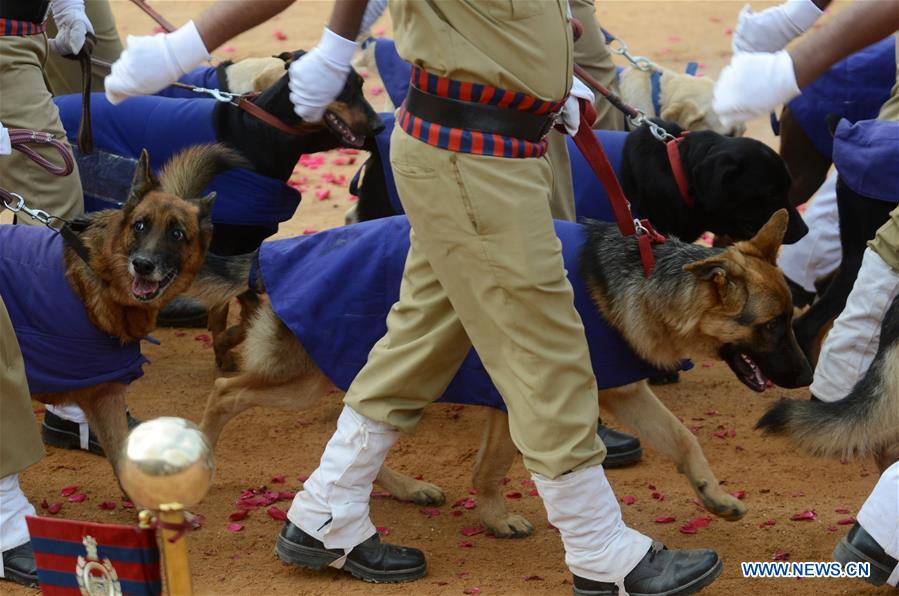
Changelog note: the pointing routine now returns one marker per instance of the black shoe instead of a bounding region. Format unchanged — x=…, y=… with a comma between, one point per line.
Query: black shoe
x=621, y=449
x=183, y=312
x=661, y=572
x=370, y=561
x=18, y=565
x=62, y=433
x=665, y=378
x=859, y=546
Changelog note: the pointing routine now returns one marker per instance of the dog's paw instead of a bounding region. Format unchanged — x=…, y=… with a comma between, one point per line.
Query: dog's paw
x=727, y=507
x=510, y=525
x=421, y=493
x=227, y=362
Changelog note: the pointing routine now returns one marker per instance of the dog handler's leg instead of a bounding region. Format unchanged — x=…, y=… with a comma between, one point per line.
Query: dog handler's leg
x=492, y=464
x=639, y=408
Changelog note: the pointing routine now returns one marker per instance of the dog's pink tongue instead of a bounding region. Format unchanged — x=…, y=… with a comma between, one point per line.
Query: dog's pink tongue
x=143, y=287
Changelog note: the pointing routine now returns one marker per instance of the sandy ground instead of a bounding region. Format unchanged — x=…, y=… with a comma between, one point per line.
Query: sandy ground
x=260, y=444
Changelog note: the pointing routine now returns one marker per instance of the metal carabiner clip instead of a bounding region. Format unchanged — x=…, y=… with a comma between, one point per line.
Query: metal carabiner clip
x=19, y=204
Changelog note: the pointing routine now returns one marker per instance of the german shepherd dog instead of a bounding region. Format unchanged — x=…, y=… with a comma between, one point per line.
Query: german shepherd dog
x=865, y=422
x=728, y=304
x=140, y=258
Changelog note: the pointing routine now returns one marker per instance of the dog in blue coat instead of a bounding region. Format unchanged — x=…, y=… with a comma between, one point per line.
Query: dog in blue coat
x=329, y=294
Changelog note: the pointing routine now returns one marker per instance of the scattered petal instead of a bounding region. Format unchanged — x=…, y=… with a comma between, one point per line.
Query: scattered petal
x=235, y=527
x=45, y=504
x=466, y=544
x=628, y=499
x=126, y=504
x=513, y=495
x=68, y=491
x=471, y=591
x=278, y=479
x=279, y=35
x=665, y=519
x=54, y=508
x=109, y=505
x=276, y=513
x=658, y=496
x=798, y=493
x=808, y=515
x=533, y=578
x=846, y=521
x=229, y=49
x=651, y=486
x=322, y=194
x=533, y=493
x=383, y=531
x=739, y=494
x=308, y=231
x=239, y=515
x=841, y=510
x=77, y=498
x=780, y=555
x=377, y=90
x=429, y=511
x=472, y=530
x=767, y=522
x=380, y=494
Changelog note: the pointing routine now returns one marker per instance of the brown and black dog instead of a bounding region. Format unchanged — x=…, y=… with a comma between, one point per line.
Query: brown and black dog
x=731, y=305
x=139, y=258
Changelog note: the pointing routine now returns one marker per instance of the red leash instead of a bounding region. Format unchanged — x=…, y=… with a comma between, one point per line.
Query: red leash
x=161, y=20
x=596, y=157
x=672, y=146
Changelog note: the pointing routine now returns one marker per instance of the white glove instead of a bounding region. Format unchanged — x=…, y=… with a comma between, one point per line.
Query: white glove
x=773, y=28
x=72, y=26
x=154, y=62
x=752, y=85
x=571, y=111
x=373, y=12
x=5, y=143
x=318, y=77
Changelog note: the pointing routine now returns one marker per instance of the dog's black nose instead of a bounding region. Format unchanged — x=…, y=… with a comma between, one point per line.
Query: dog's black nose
x=143, y=266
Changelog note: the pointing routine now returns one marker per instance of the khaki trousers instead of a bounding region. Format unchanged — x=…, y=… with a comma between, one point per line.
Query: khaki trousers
x=25, y=102
x=63, y=75
x=484, y=268
x=591, y=52
x=20, y=442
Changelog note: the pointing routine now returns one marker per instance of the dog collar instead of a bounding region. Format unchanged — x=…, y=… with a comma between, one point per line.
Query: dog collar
x=677, y=167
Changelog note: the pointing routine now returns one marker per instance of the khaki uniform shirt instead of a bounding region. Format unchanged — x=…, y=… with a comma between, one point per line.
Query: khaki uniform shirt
x=517, y=45
x=886, y=242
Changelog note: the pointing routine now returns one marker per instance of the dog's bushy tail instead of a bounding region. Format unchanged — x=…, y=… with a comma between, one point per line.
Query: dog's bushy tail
x=863, y=423
x=191, y=170
x=222, y=278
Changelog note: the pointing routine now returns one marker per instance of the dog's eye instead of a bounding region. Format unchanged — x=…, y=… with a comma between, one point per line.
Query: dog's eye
x=178, y=234
x=772, y=325
x=140, y=225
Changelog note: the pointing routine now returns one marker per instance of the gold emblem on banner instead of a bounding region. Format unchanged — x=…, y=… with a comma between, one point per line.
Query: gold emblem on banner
x=96, y=577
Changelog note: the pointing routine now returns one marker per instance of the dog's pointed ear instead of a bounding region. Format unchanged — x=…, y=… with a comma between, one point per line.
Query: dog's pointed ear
x=770, y=237
x=143, y=182
x=205, y=206
x=724, y=275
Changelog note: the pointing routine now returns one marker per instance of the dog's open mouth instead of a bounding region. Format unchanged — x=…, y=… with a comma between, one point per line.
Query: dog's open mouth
x=748, y=372
x=145, y=289
x=343, y=130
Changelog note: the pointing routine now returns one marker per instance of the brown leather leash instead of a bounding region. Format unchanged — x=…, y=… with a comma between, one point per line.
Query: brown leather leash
x=161, y=20
x=85, y=130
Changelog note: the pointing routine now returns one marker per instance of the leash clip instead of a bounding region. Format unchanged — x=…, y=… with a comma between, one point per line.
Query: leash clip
x=35, y=214
x=640, y=62
x=217, y=94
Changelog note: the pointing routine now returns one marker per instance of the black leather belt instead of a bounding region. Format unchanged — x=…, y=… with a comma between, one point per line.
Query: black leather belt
x=478, y=117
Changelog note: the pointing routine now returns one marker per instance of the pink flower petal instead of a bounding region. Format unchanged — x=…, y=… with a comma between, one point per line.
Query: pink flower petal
x=841, y=510
x=658, y=496
x=472, y=530
x=466, y=544
x=471, y=591
x=159, y=29
x=739, y=494
x=798, y=493
x=308, y=231
x=780, y=555
x=767, y=522
x=229, y=49
x=54, y=508
x=239, y=515
x=380, y=494
x=77, y=498
x=383, y=531
x=279, y=35
x=276, y=513
x=235, y=527
x=45, y=504
x=429, y=511
x=126, y=504
x=846, y=521
x=513, y=495
x=665, y=519
x=109, y=505
x=68, y=490
x=688, y=529
x=533, y=493
x=322, y=194
x=278, y=479
x=533, y=578
x=651, y=486
x=628, y=499
x=377, y=90
x=808, y=515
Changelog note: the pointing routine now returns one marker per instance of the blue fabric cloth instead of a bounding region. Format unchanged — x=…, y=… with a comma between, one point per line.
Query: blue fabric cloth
x=394, y=71
x=853, y=88
x=201, y=76
x=590, y=197
x=165, y=126
x=61, y=347
x=866, y=154
x=334, y=289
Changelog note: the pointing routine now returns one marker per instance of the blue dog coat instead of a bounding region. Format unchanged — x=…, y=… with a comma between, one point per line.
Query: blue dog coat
x=202, y=76
x=853, y=88
x=62, y=349
x=590, y=198
x=165, y=126
x=866, y=155
x=334, y=289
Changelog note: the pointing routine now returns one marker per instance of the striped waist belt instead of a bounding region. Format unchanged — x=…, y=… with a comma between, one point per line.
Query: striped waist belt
x=18, y=28
x=474, y=118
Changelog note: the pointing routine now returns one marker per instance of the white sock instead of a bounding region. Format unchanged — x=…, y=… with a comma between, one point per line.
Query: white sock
x=14, y=506
x=75, y=414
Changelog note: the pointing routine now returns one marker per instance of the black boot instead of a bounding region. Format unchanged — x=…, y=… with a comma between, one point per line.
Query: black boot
x=621, y=449
x=62, y=433
x=661, y=572
x=370, y=561
x=18, y=565
x=859, y=546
